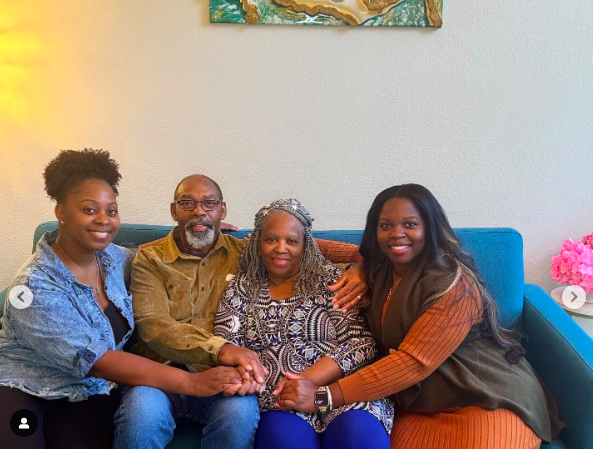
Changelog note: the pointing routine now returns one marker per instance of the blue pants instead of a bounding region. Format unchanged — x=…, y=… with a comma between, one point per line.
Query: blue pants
x=354, y=429
x=146, y=419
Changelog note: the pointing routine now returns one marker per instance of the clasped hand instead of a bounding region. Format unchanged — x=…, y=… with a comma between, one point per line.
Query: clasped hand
x=248, y=384
x=253, y=373
x=296, y=392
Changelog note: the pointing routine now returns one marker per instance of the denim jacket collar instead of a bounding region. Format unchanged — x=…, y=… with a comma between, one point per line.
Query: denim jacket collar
x=53, y=265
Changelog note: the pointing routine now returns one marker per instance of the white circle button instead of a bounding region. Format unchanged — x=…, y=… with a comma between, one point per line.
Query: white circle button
x=574, y=297
x=20, y=297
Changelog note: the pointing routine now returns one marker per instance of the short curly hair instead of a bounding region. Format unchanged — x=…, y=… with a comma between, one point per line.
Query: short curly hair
x=69, y=168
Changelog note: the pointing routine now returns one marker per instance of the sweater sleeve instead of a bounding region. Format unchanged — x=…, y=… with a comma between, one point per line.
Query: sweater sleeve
x=434, y=336
x=339, y=252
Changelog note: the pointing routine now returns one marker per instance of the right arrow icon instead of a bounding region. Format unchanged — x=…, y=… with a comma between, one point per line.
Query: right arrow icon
x=574, y=297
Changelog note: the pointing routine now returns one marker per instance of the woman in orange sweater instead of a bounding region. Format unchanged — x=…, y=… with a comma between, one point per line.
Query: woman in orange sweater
x=457, y=378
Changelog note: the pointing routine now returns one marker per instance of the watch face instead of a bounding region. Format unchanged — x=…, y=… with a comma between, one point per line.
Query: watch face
x=321, y=398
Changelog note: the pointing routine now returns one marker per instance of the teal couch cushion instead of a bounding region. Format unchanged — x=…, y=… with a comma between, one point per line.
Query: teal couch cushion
x=497, y=251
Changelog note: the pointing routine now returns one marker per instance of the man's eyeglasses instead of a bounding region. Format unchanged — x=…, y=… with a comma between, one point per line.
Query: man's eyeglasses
x=191, y=204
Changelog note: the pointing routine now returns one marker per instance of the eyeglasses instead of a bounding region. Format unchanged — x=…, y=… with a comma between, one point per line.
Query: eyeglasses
x=191, y=204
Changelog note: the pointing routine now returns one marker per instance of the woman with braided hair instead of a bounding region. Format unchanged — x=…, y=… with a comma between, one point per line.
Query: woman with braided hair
x=61, y=357
x=279, y=306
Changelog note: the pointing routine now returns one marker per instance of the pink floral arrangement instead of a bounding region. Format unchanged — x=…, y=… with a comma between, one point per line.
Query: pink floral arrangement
x=574, y=264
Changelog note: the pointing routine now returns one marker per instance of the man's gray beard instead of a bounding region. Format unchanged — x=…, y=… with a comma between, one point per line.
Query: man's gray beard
x=200, y=240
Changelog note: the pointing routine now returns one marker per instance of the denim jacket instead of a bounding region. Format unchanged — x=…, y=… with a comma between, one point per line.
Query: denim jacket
x=48, y=348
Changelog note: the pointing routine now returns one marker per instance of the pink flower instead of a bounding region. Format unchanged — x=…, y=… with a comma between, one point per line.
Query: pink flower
x=588, y=240
x=574, y=264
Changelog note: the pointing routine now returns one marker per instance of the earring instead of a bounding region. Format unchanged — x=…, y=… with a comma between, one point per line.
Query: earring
x=61, y=221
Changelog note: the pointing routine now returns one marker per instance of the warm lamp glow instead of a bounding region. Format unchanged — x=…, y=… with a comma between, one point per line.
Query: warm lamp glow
x=22, y=61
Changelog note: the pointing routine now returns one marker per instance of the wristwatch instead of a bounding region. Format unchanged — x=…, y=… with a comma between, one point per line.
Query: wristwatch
x=323, y=399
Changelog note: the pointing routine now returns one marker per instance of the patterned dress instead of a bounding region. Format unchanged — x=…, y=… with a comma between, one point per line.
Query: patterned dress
x=294, y=333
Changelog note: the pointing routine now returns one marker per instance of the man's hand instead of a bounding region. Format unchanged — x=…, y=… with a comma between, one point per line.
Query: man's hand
x=224, y=226
x=249, y=386
x=296, y=392
x=351, y=287
x=214, y=381
x=231, y=355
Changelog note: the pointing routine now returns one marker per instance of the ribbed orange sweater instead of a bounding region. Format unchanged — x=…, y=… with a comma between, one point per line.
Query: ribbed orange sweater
x=339, y=252
x=433, y=338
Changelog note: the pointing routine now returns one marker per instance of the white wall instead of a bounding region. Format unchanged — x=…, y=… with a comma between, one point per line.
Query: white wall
x=493, y=113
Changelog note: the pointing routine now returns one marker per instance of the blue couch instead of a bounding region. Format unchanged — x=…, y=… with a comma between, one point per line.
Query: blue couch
x=559, y=350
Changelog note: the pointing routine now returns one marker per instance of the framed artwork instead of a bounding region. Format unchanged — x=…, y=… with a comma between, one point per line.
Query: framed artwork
x=415, y=13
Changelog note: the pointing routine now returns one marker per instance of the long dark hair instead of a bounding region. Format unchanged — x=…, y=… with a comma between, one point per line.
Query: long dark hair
x=441, y=248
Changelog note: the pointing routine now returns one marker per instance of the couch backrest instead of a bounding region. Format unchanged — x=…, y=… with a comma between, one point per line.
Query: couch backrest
x=498, y=253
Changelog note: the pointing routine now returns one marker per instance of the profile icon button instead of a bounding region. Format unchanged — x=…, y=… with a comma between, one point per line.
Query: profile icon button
x=20, y=297
x=23, y=423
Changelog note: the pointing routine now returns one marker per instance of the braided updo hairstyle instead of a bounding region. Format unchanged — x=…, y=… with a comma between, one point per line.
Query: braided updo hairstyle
x=313, y=260
x=69, y=168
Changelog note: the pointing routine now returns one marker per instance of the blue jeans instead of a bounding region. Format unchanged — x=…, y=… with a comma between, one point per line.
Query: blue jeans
x=353, y=429
x=146, y=419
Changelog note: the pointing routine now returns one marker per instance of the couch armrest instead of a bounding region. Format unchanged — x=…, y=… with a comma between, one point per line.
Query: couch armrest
x=562, y=354
x=2, y=300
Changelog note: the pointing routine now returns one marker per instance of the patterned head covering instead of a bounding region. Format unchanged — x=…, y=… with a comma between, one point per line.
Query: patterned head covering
x=290, y=205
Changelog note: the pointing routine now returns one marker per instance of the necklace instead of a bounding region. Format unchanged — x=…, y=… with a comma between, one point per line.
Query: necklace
x=388, y=299
x=79, y=269
x=393, y=287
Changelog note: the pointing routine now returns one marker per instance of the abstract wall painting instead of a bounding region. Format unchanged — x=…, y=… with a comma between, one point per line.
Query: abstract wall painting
x=414, y=13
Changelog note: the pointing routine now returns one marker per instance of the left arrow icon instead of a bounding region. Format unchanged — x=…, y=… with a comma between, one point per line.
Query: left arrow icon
x=20, y=297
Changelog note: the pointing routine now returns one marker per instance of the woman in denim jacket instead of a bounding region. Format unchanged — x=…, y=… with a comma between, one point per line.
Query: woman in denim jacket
x=60, y=357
